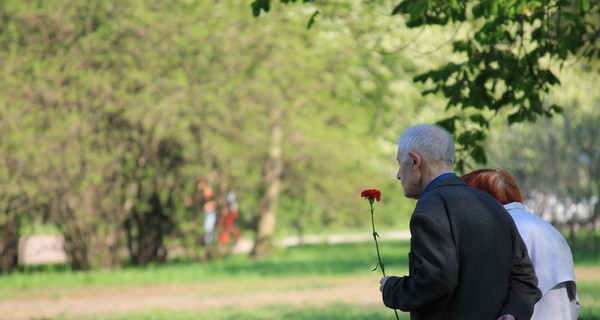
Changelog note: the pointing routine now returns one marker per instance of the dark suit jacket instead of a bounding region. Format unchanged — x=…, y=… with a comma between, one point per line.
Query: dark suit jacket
x=466, y=261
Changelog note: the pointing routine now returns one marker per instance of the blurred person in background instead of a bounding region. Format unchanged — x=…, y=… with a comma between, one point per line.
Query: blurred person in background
x=548, y=249
x=229, y=217
x=210, y=211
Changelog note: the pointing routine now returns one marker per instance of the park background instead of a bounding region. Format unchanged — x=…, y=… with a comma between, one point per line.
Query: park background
x=112, y=112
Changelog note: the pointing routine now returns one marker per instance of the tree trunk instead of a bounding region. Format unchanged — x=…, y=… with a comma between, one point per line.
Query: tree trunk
x=76, y=247
x=75, y=231
x=267, y=207
x=145, y=233
x=9, y=242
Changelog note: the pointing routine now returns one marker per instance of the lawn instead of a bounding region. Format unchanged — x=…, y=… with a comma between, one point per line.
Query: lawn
x=303, y=282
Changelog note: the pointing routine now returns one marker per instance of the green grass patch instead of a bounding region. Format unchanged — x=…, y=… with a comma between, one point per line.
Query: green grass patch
x=29, y=229
x=586, y=247
x=305, y=262
x=589, y=299
x=319, y=259
x=333, y=312
x=589, y=293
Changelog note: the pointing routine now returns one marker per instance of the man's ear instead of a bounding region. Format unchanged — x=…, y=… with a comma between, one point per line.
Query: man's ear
x=415, y=158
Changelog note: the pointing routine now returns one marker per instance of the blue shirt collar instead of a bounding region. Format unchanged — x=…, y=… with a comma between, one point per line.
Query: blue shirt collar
x=440, y=177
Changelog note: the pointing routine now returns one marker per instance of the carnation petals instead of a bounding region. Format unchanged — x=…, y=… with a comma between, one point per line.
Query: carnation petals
x=371, y=194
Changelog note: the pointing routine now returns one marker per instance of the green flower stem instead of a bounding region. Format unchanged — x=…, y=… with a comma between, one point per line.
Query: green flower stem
x=375, y=236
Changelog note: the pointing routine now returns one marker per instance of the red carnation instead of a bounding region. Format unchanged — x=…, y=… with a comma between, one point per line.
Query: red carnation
x=370, y=194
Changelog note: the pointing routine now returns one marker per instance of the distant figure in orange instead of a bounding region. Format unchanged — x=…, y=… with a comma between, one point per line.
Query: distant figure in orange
x=548, y=249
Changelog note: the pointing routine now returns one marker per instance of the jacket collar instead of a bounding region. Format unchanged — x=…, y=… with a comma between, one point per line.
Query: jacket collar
x=448, y=178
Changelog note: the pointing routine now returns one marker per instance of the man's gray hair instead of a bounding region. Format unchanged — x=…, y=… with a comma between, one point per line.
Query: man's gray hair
x=430, y=141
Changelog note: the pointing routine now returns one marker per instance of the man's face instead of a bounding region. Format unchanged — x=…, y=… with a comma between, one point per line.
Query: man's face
x=408, y=175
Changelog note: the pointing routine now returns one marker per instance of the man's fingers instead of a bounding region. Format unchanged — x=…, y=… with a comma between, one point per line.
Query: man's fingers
x=382, y=282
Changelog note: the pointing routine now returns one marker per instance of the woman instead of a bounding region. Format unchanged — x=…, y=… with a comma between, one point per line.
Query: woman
x=547, y=248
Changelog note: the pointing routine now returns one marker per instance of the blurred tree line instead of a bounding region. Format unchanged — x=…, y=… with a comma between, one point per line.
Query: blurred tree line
x=111, y=112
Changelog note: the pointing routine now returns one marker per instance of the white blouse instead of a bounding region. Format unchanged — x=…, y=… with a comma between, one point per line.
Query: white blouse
x=553, y=263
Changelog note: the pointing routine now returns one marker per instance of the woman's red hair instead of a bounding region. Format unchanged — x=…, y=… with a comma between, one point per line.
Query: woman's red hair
x=497, y=182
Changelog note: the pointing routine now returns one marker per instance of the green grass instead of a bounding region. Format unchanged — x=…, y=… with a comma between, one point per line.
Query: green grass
x=586, y=247
x=589, y=292
x=589, y=296
x=325, y=260
x=301, y=262
x=333, y=312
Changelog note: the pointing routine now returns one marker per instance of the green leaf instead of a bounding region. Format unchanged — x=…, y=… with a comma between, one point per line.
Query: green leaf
x=418, y=8
x=423, y=77
x=516, y=117
x=400, y=8
x=584, y=5
x=459, y=166
x=557, y=108
x=478, y=154
x=460, y=46
x=448, y=123
x=313, y=19
x=257, y=5
x=549, y=77
x=492, y=8
x=480, y=119
x=478, y=10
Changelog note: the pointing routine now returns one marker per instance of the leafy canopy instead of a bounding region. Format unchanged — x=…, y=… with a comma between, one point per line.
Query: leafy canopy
x=507, y=60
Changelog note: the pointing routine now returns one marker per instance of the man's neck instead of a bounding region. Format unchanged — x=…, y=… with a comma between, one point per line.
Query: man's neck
x=433, y=173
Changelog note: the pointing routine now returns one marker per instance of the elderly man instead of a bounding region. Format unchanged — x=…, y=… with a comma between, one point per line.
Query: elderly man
x=466, y=260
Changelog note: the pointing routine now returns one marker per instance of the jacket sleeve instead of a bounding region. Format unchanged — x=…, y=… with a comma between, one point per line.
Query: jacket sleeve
x=433, y=268
x=523, y=292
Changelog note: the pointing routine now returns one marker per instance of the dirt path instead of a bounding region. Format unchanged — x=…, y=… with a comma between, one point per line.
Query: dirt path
x=81, y=302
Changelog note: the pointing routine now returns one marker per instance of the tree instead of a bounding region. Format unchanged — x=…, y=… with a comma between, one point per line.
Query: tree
x=85, y=153
x=507, y=59
x=110, y=117
x=266, y=130
x=557, y=165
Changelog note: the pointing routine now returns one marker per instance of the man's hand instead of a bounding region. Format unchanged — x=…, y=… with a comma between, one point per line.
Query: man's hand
x=506, y=317
x=384, y=279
